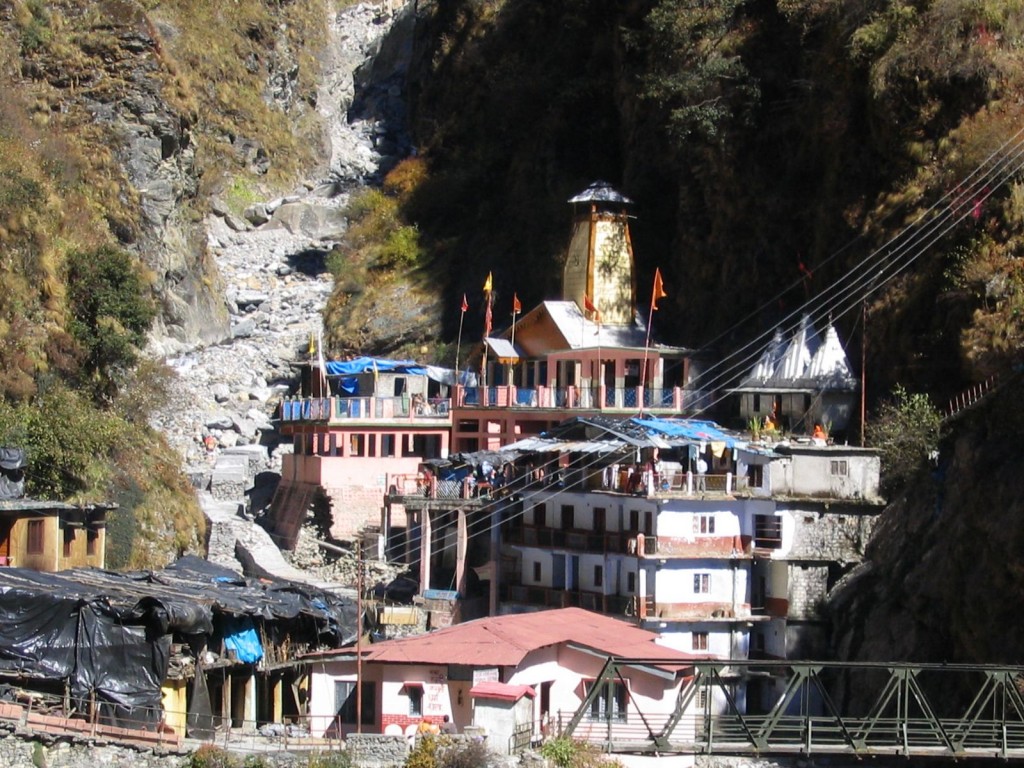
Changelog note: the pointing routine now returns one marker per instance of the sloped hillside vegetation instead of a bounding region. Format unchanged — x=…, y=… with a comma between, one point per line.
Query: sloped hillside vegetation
x=118, y=120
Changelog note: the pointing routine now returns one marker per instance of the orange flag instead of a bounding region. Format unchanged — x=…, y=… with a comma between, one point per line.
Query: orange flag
x=659, y=289
x=591, y=307
x=516, y=306
x=465, y=304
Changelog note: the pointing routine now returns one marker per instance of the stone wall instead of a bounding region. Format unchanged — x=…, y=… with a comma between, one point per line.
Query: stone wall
x=17, y=752
x=808, y=587
x=820, y=534
x=370, y=750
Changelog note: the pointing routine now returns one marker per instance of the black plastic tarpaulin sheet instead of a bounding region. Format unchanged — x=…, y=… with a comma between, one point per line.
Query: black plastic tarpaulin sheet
x=107, y=636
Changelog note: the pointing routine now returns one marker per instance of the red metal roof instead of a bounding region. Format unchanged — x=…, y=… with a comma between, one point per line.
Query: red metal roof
x=492, y=689
x=500, y=641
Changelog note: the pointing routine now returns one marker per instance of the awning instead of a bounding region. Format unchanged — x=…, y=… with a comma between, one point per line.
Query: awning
x=503, y=691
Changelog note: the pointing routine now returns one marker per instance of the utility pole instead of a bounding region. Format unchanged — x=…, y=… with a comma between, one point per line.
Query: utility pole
x=359, y=636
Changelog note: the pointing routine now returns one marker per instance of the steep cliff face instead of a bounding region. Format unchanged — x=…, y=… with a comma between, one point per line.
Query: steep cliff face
x=109, y=89
x=119, y=120
x=943, y=578
x=770, y=146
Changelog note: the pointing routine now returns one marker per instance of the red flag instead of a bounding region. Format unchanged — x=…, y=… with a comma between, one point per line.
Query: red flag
x=516, y=306
x=465, y=304
x=591, y=307
x=659, y=289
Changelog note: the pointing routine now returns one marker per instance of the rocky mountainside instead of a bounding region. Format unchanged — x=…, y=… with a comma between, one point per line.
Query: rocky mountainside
x=942, y=577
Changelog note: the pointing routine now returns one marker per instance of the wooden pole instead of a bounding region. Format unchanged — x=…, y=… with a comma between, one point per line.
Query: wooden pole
x=359, y=636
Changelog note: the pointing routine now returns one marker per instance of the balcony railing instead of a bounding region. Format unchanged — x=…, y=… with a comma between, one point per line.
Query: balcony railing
x=367, y=408
x=571, y=398
x=560, y=538
x=335, y=408
x=616, y=605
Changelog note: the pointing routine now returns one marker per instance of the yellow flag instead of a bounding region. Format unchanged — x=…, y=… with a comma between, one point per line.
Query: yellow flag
x=487, y=283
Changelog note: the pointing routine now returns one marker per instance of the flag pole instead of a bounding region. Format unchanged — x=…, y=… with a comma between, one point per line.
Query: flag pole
x=516, y=308
x=657, y=292
x=458, y=343
x=488, y=285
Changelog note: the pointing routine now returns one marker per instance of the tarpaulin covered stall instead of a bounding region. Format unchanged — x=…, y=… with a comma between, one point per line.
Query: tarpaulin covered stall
x=104, y=638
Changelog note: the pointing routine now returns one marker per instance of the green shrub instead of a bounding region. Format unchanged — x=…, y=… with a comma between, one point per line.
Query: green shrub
x=425, y=753
x=332, y=759
x=566, y=752
x=466, y=753
x=111, y=311
x=905, y=431
x=210, y=756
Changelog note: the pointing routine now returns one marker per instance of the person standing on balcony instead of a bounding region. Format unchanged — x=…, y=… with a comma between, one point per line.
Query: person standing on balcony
x=702, y=473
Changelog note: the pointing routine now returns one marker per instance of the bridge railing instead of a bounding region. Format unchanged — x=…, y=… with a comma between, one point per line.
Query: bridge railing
x=888, y=708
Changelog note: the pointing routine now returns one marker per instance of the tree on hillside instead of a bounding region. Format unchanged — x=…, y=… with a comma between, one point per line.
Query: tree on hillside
x=111, y=312
x=906, y=432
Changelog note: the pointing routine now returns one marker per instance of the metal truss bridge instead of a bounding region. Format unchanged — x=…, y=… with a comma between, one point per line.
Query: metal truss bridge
x=810, y=708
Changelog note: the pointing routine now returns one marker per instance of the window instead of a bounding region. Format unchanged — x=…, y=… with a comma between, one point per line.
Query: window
x=700, y=641
x=631, y=581
x=387, y=445
x=634, y=520
x=599, y=519
x=69, y=537
x=539, y=518
x=701, y=583
x=767, y=531
x=755, y=476
x=568, y=517
x=415, y=693
x=704, y=524
x=536, y=573
x=608, y=705
x=35, y=537
x=345, y=702
x=840, y=467
x=356, y=445
x=598, y=575
x=92, y=537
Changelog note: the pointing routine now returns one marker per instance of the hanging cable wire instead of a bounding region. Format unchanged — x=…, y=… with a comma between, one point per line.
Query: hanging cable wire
x=887, y=262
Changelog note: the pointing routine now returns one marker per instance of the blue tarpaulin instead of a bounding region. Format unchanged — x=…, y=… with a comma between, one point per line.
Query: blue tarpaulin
x=691, y=429
x=370, y=364
x=240, y=636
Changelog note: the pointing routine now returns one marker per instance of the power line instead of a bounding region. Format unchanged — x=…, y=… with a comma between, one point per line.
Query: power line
x=885, y=263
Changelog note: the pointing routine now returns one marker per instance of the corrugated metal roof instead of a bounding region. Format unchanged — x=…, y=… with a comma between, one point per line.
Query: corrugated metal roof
x=502, y=348
x=499, y=641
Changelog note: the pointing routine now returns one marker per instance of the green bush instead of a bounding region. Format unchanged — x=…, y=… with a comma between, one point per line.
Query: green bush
x=466, y=753
x=111, y=311
x=905, y=431
x=210, y=756
x=332, y=759
x=566, y=752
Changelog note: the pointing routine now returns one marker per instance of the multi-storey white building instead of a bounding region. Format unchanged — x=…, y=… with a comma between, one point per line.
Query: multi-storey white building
x=737, y=570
